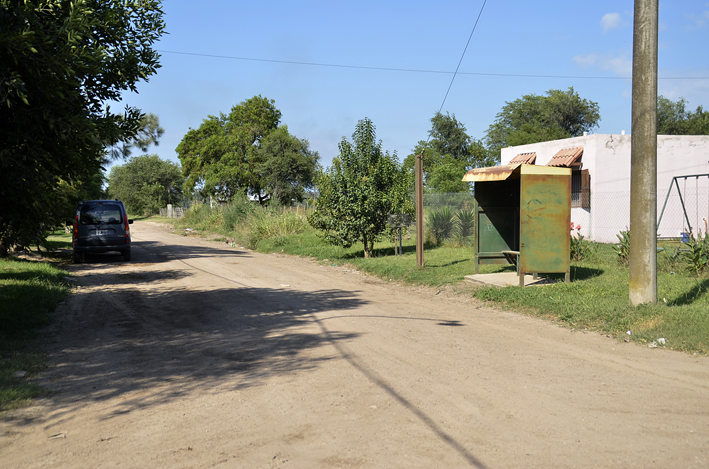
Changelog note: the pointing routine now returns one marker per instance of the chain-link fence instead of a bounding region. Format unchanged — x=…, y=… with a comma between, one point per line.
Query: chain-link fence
x=610, y=213
x=685, y=211
x=448, y=216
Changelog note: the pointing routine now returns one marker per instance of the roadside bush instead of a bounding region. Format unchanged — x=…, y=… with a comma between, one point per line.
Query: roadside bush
x=622, y=249
x=440, y=224
x=582, y=249
x=236, y=211
x=464, y=225
x=697, y=257
x=669, y=257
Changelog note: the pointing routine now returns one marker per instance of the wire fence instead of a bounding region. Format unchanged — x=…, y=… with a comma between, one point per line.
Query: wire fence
x=682, y=215
x=449, y=216
x=686, y=213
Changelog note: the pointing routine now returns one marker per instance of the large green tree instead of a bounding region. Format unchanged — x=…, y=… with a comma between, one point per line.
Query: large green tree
x=62, y=62
x=246, y=151
x=449, y=153
x=673, y=118
x=358, y=192
x=146, y=184
x=533, y=118
x=285, y=167
x=218, y=158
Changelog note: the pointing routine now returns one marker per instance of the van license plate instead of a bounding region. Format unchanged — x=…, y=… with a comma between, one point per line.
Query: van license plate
x=101, y=232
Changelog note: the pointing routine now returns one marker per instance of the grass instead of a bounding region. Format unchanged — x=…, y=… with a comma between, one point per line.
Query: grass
x=444, y=265
x=29, y=290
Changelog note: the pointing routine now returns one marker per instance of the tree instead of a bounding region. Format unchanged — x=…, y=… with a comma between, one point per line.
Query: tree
x=219, y=158
x=62, y=63
x=149, y=133
x=358, y=192
x=285, y=166
x=674, y=119
x=533, y=118
x=448, y=155
x=146, y=183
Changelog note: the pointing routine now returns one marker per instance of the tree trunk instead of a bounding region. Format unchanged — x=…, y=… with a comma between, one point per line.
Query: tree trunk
x=368, y=247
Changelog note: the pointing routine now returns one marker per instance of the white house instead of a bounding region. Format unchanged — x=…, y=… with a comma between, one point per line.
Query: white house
x=601, y=181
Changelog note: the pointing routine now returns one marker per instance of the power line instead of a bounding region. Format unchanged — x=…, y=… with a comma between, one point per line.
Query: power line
x=461, y=57
x=414, y=70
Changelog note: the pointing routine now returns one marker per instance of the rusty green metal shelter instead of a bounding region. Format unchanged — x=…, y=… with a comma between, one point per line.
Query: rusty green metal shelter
x=523, y=216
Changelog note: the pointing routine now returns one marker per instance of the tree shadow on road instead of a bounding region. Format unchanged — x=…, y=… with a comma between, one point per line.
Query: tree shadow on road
x=154, y=347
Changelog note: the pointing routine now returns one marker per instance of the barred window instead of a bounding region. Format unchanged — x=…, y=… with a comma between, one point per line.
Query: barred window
x=581, y=189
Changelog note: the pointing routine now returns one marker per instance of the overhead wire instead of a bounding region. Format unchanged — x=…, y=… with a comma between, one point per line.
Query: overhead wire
x=415, y=70
x=462, y=56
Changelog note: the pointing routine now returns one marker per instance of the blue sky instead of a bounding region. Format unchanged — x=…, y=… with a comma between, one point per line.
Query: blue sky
x=573, y=40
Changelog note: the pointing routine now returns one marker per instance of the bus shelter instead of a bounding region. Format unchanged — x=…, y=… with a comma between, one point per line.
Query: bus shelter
x=522, y=216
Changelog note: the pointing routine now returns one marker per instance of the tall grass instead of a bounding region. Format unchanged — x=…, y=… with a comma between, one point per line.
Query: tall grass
x=245, y=222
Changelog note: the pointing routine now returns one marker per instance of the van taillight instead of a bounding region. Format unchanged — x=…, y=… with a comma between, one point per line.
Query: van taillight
x=76, y=227
x=125, y=220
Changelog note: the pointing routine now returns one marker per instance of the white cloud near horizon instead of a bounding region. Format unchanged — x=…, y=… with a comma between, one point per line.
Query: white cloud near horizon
x=610, y=21
x=620, y=64
x=697, y=21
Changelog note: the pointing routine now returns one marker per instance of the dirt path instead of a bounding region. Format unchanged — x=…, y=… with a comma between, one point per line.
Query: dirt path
x=197, y=354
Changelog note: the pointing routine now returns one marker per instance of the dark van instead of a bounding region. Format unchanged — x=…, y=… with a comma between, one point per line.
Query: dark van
x=101, y=226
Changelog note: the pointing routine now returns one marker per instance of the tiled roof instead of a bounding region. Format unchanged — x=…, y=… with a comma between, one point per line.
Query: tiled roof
x=493, y=173
x=524, y=158
x=567, y=157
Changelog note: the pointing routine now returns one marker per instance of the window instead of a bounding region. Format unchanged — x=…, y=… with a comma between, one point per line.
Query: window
x=581, y=189
x=98, y=214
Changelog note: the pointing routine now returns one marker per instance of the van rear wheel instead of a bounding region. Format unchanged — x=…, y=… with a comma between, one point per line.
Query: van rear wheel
x=126, y=255
x=77, y=258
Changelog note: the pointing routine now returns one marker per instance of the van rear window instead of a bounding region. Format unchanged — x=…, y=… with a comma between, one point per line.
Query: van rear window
x=100, y=214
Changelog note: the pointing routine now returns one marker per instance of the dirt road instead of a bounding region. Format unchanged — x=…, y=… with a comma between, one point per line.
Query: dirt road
x=197, y=354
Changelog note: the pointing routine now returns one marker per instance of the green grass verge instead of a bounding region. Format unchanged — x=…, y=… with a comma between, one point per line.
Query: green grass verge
x=29, y=290
x=444, y=265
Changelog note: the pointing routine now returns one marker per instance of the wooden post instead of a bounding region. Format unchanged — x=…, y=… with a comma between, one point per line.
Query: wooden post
x=419, y=210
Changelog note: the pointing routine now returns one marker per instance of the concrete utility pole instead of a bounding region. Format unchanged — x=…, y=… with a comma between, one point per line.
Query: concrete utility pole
x=643, y=156
x=419, y=210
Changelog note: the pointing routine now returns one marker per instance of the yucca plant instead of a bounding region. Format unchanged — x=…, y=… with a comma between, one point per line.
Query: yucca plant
x=464, y=224
x=440, y=224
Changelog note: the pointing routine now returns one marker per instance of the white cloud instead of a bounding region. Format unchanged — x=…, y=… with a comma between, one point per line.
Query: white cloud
x=696, y=92
x=610, y=21
x=620, y=64
x=697, y=21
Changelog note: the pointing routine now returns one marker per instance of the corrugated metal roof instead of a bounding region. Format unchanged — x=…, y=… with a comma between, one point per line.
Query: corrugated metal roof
x=566, y=157
x=524, y=158
x=493, y=173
